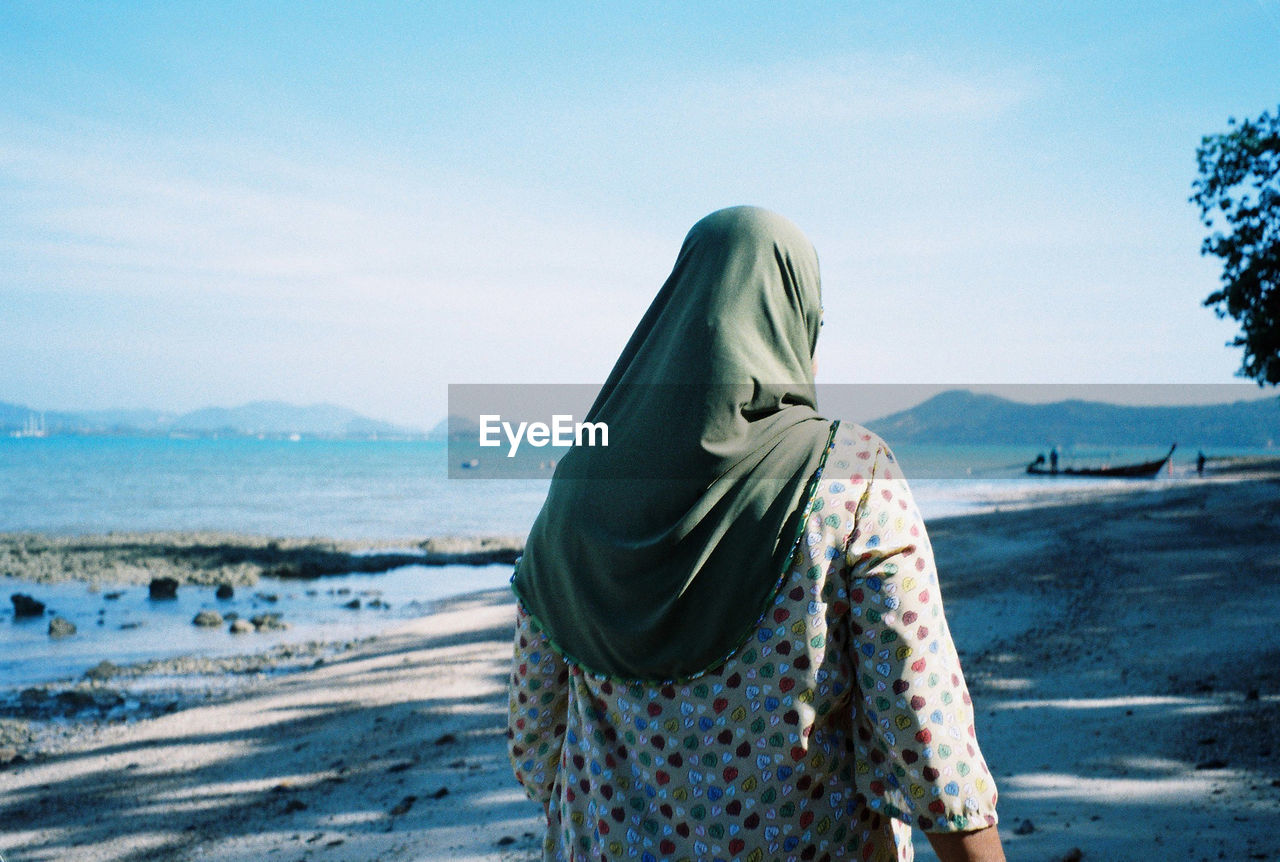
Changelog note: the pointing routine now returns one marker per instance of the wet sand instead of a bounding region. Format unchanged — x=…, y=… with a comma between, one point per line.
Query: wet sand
x=1123, y=652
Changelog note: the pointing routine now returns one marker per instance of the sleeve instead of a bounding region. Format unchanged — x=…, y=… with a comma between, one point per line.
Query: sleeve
x=537, y=709
x=917, y=753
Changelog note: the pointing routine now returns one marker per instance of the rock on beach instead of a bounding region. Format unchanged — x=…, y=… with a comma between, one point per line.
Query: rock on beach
x=102, y=671
x=25, y=606
x=60, y=627
x=164, y=588
x=208, y=619
x=268, y=622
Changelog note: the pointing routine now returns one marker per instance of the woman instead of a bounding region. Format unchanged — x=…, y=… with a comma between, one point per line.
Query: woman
x=729, y=641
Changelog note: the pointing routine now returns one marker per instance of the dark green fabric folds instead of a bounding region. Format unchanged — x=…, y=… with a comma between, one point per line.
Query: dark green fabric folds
x=652, y=557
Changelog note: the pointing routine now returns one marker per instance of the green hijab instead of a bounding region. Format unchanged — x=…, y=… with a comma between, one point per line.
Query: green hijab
x=653, y=557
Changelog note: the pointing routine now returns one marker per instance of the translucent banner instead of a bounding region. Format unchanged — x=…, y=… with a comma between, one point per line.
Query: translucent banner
x=523, y=431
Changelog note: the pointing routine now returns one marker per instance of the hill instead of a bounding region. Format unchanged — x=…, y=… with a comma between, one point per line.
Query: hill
x=455, y=427
x=963, y=417
x=277, y=417
x=269, y=418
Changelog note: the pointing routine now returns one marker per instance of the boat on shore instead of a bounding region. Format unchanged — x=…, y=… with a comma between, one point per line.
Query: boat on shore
x=1144, y=470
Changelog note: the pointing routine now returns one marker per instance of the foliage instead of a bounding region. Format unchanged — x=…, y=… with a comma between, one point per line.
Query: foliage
x=1239, y=188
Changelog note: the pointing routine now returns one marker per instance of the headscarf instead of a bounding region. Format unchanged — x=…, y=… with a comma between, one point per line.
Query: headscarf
x=654, y=556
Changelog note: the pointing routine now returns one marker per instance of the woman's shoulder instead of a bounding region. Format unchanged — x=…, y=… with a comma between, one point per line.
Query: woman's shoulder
x=854, y=441
x=857, y=458
x=849, y=466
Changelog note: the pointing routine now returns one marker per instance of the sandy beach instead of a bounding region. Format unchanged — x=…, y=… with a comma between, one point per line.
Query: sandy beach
x=1122, y=651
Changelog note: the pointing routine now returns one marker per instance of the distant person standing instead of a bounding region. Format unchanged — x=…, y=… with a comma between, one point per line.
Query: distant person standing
x=1053, y=460
x=1200, y=459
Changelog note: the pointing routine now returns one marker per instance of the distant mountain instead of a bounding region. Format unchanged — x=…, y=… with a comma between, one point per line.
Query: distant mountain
x=270, y=418
x=454, y=427
x=964, y=417
x=277, y=417
x=14, y=417
x=137, y=419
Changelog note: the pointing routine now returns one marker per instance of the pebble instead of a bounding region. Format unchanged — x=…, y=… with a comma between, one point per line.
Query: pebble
x=102, y=671
x=403, y=806
x=267, y=622
x=60, y=627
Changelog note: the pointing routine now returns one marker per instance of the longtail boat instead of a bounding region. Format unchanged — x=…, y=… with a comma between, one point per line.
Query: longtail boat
x=1145, y=470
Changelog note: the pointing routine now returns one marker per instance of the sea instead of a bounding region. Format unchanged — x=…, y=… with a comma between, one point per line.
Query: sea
x=394, y=489
x=366, y=490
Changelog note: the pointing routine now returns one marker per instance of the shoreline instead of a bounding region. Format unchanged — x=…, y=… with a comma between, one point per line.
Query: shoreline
x=1122, y=652
x=214, y=557
x=210, y=558
x=348, y=758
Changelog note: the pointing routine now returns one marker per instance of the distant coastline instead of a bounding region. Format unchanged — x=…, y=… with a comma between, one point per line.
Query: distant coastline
x=265, y=420
x=960, y=417
x=954, y=417
x=227, y=434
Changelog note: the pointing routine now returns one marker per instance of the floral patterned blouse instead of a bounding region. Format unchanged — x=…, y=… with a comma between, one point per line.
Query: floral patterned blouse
x=840, y=723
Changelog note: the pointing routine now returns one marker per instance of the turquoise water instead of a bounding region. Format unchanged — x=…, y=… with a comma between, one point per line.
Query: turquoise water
x=130, y=627
x=380, y=489
x=342, y=489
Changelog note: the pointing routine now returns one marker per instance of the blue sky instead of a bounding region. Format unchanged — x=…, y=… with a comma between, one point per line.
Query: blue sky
x=211, y=203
